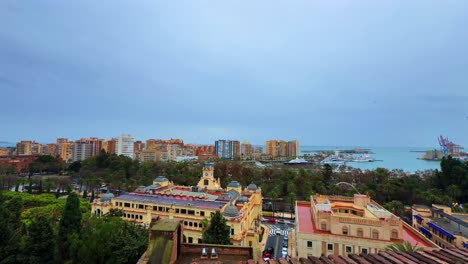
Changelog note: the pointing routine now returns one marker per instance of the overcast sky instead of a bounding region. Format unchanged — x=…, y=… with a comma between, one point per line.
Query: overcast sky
x=368, y=73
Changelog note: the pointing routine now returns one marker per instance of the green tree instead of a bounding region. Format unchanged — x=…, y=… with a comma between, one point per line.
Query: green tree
x=39, y=245
x=404, y=247
x=70, y=223
x=10, y=228
x=327, y=173
x=85, y=194
x=395, y=207
x=217, y=231
x=92, y=196
x=101, y=237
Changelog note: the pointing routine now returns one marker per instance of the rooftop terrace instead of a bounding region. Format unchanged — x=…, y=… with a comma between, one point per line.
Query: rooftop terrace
x=305, y=222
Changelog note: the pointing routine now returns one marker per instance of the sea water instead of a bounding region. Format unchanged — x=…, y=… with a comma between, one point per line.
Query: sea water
x=392, y=158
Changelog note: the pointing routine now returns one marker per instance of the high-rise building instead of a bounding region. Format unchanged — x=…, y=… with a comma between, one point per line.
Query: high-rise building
x=247, y=150
x=236, y=149
x=293, y=148
x=51, y=149
x=271, y=148
x=281, y=148
x=66, y=151
x=81, y=150
x=225, y=149
x=96, y=145
x=138, y=146
x=24, y=148
x=124, y=145
x=36, y=148
x=109, y=146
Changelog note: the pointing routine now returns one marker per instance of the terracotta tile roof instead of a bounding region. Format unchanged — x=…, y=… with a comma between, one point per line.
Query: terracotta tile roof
x=447, y=256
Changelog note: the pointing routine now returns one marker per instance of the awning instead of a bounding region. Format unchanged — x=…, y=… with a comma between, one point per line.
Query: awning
x=465, y=245
x=441, y=230
x=425, y=231
x=418, y=217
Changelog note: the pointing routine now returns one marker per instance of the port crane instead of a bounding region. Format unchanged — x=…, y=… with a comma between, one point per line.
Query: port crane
x=448, y=147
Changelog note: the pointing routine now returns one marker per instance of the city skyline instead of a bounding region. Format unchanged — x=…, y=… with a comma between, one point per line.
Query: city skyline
x=328, y=74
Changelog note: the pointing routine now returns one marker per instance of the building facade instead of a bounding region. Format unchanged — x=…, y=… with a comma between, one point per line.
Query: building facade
x=224, y=149
x=439, y=224
x=124, y=146
x=81, y=151
x=246, y=150
x=349, y=225
x=24, y=148
x=240, y=206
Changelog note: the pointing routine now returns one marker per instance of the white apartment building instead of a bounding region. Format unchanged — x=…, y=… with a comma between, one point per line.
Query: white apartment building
x=124, y=145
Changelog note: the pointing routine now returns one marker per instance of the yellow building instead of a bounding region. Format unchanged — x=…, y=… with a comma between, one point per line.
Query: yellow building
x=66, y=151
x=349, y=225
x=4, y=152
x=24, y=148
x=242, y=210
x=271, y=148
x=439, y=224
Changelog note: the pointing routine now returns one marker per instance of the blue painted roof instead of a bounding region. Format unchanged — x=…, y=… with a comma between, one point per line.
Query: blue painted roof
x=159, y=199
x=441, y=230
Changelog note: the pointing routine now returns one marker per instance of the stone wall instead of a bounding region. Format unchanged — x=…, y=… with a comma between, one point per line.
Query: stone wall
x=220, y=249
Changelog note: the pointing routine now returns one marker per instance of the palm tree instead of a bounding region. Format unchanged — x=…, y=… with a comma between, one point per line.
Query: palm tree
x=405, y=247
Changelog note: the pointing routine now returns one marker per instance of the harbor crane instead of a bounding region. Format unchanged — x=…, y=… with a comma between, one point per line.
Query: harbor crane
x=448, y=147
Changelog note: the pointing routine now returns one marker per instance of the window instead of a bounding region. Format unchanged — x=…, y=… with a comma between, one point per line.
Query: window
x=232, y=231
x=155, y=208
x=250, y=243
x=183, y=211
x=394, y=233
x=205, y=182
x=323, y=226
x=346, y=211
x=126, y=205
x=190, y=240
x=309, y=244
x=190, y=224
x=199, y=241
x=202, y=213
x=177, y=210
x=360, y=233
x=330, y=247
x=141, y=217
x=140, y=206
x=195, y=224
x=364, y=251
x=160, y=209
x=375, y=234
x=185, y=223
x=345, y=230
x=349, y=249
x=191, y=212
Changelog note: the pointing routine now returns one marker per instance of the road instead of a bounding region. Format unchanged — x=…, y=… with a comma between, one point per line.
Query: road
x=277, y=241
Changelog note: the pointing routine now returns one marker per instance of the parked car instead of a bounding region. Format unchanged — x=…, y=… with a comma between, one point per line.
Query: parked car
x=278, y=233
x=272, y=220
x=285, y=238
x=281, y=221
x=263, y=219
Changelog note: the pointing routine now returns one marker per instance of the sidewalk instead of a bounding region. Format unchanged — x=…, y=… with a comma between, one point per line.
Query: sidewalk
x=261, y=244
